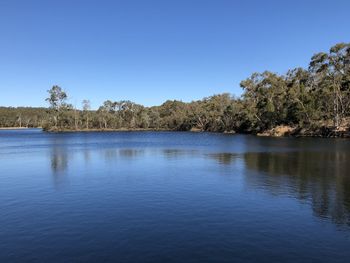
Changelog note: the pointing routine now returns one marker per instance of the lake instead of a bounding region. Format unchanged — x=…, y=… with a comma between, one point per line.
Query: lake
x=172, y=197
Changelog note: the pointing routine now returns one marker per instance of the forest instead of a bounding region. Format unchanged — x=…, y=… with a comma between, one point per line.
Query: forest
x=312, y=101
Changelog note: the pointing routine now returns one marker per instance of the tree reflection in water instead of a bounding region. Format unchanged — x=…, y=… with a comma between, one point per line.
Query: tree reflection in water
x=59, y=165
x=111, y=154
x=321, y=177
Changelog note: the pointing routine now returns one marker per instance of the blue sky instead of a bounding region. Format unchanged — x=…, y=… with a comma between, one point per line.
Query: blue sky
x=150, y=51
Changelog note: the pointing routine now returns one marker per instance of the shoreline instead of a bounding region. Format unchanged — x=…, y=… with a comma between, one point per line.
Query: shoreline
x=14, y=128
x=298, y=132
x=275, y=132
x=103, y=130
x=279, y=131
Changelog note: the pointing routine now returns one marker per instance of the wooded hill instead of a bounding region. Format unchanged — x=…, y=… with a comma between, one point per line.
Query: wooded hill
x=315, y=100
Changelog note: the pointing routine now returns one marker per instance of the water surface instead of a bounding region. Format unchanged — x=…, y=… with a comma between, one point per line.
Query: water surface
x=172, y=197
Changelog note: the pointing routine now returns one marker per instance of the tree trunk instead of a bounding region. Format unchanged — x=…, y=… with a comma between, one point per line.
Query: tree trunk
x=75, y=119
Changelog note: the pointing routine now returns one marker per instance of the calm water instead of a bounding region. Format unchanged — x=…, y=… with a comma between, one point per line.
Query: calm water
x=172, y=197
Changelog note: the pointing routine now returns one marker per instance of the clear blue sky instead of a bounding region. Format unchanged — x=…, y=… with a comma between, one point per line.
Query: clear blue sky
x=150, y=51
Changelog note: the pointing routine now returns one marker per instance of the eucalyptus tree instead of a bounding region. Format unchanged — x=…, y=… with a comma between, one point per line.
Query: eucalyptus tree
x=339, y=63
x=264, y=96
x=57, y=100
x=102, y=114
x=173, y=115
x=211, y=113
x=199, y=118
x=19, y=120
x=330, y=72
x=299, y=101
x=86, y=111
x=312, y=97
x=153, y=117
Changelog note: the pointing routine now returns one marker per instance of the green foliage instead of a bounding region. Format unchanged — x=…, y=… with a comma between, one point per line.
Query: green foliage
x=23, y=117
x=312, y=97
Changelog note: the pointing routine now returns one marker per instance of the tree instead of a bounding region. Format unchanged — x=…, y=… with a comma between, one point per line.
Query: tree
x=57, y=100
x=86, y=110
x=317, y=98
x=330, y=73
x=264, y=98
x=299, y=100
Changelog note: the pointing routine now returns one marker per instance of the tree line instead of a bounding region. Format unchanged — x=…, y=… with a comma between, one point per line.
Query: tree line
x=23, y=117
x=311, y=98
